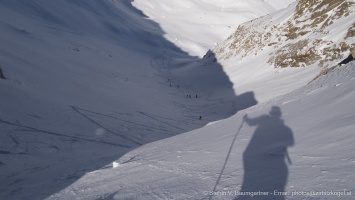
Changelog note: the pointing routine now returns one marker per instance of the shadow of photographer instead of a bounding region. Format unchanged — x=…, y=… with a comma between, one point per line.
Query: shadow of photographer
x=266, y=158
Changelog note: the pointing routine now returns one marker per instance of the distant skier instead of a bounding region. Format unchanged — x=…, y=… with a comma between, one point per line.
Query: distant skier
x=196, y=96
x=349, y=58
x=200, y=118
x=1, y=74
x=170, y=84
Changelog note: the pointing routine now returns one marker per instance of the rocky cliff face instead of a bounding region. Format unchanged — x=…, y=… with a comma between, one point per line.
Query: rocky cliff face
x=307, y=32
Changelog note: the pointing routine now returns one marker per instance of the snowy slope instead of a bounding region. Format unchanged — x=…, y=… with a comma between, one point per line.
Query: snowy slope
x=197, y=26
x=87, y=82
x=314, y=124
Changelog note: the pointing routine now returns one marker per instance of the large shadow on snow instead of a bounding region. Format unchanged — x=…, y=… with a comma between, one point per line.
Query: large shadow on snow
x=207, y=76
x=266, y=158
x=212, y=85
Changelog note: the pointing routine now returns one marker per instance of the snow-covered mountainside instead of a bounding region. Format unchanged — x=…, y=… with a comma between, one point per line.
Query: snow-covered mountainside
x=196, y=26
x=317, y=32
x=88, y=85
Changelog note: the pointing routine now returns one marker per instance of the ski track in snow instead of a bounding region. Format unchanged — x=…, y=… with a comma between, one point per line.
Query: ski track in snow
x=28, y=128
x=120, y=134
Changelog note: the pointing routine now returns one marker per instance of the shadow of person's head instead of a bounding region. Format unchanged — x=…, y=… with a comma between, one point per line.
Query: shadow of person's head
x=275, y=112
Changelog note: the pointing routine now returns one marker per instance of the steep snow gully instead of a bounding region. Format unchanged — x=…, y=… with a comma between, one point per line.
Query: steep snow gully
x=87, y=82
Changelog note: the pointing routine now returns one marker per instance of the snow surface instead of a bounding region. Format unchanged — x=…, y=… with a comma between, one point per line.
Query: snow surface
x=90, y=84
